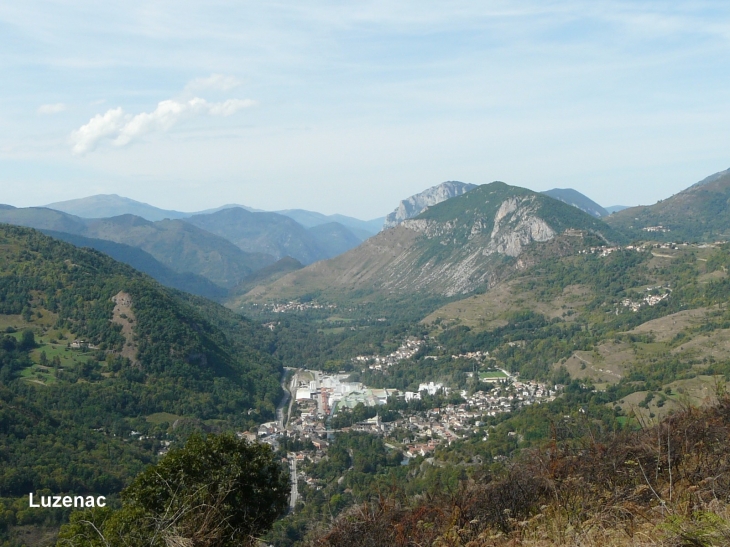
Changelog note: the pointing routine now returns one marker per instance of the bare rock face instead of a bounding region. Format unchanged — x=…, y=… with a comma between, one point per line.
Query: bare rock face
x=516, y=225
x=471, y=242
x=123, y=315
x=415, y=205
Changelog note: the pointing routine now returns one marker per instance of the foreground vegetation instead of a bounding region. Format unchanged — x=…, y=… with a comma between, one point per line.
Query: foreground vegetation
x=668, y=484
x=215, y=491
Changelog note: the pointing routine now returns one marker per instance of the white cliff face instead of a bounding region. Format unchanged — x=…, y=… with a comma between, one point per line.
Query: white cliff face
x=516, y=225
x=429, y=228
x=415, y=205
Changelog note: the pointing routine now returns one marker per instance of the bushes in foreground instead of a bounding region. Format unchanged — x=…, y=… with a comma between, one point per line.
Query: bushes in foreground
x=663, y=485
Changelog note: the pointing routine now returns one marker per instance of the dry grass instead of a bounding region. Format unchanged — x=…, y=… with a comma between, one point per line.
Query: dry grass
x=487, y=311
x=666, y=485
x=665, y=328
x=714, y=345
x=606, y=365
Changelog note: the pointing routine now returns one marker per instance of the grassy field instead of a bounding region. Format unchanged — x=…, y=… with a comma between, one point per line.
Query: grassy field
x=700, y=391
x=666, y=328
x=162, y=417
x=38, y=374
x=488, y=310
x=492, y=375
x=51, y=342
x=605, y=365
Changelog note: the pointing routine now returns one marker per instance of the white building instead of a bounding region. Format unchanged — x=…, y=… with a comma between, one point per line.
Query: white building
x=303, y=393
x=430, y=388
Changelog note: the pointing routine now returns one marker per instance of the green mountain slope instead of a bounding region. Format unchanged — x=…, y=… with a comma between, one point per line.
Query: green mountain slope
x=453, y=248
x=146, y=263
x=168, y=338
x=699, y=213
x=268, y=274
x=182, y=247
x=99, y=360
x=269, y=233
x=177, y=245
x=42, y=218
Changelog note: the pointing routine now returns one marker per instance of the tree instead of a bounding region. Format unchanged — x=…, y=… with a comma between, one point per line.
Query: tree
x=217, y=491
x=27, y=340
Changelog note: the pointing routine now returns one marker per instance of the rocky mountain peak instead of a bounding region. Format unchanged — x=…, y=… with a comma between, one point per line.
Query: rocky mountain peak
x=455, y=247
x=416, y=204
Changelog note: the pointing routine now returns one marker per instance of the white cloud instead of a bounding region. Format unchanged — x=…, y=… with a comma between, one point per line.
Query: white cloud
x=229, y=107
x=51, y=108
x=218, y=82
x=124, y=128
x=100, y=126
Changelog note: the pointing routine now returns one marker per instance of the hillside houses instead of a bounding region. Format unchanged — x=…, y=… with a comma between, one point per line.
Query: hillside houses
x=407, y=349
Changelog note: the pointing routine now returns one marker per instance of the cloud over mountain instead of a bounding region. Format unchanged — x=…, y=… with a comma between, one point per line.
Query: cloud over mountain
x=123, y=128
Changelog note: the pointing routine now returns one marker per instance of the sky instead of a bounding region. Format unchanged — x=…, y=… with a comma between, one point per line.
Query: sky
x=349, y=107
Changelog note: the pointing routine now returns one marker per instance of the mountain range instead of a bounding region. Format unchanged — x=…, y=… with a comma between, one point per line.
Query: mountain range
x=176, y=244
x=472, y=241
x=102, y=367
x=455, y=238
x=453, y=247
x=276, y=235
x=416, y=204
x=223, y=247
x=111, y=205
x=228, y=245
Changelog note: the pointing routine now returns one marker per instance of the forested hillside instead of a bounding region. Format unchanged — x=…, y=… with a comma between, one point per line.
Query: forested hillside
x=177, y=245
x=146, y=263
x=699, y=213
x=101, y=367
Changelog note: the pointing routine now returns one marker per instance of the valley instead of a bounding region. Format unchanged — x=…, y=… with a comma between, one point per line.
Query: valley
x=326, y=405
x=492, y=324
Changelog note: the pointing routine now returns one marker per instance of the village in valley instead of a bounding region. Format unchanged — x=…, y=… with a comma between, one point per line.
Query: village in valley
x=308, y=417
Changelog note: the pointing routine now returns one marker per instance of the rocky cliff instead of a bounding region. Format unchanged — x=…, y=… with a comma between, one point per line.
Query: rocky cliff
x=453, y=248
x=415, y=205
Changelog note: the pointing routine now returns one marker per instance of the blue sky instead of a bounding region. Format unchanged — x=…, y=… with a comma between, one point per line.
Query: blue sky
x=349, y=107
